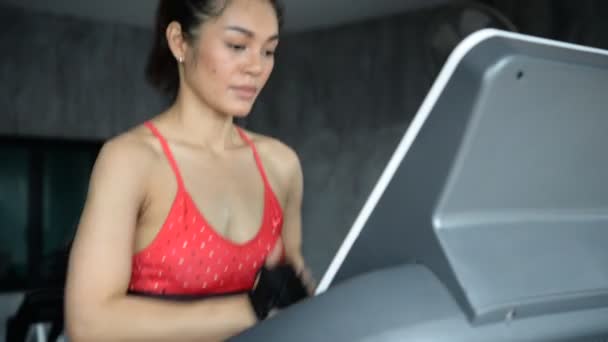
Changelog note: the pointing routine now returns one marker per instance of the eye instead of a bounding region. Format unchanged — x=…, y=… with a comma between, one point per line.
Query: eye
x=269, y=53
x=236, y=47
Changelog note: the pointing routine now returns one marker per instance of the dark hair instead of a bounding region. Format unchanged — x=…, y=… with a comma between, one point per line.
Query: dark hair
x=161, y=70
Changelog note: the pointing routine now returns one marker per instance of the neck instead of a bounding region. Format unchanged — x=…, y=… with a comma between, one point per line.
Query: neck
x=199, y=124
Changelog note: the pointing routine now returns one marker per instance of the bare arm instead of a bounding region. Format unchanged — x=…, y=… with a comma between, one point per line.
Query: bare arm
x=97, y=307
x=292, y=226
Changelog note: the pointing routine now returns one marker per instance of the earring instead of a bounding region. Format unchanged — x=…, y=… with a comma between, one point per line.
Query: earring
x=180, y=59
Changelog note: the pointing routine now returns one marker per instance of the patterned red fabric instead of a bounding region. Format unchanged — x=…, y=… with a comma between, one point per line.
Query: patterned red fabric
x=188, y=257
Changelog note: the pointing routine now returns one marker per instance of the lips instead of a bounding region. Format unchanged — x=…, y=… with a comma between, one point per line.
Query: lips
x=245, y=92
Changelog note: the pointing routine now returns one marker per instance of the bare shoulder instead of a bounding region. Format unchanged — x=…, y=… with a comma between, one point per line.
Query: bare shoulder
x=282, y=157
x=279, y=159
x=130, y=152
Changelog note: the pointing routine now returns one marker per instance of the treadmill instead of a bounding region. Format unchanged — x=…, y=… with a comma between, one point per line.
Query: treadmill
x=490, y=220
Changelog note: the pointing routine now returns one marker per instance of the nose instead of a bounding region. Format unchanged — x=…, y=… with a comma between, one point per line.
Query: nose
x=255, y=64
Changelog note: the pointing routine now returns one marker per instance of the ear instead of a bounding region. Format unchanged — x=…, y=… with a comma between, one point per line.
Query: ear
x=176, y=40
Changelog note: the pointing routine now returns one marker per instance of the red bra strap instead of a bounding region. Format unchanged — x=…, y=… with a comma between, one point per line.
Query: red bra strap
x=258, y=161
x=167, y=151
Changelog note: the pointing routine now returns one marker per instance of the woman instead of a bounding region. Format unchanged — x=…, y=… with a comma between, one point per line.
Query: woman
x=188, y=204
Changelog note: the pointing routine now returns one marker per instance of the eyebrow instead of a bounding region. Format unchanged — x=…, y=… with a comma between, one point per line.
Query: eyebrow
x=249, y=33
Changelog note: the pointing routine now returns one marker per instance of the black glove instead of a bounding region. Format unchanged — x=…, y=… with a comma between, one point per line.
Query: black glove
x=276, y=288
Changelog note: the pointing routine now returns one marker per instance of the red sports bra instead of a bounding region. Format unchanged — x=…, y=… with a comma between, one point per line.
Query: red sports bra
x=188, y=257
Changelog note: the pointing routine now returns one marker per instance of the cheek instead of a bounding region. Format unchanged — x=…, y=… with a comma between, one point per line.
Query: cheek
x=268, y=69
x=222, y=70
x=214, y=75
x=215, y=63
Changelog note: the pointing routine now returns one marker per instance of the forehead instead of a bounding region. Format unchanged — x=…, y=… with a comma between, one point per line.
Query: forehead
x=257, y=16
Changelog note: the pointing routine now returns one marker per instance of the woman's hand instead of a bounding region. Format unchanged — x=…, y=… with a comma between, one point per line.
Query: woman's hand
x=303, y=272
x=275, y=258
x=307, y=279
x=279, y=265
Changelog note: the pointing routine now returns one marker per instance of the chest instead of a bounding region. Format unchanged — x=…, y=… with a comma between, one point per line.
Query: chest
x=230, y=193
x=189, y=257
x=212, y=233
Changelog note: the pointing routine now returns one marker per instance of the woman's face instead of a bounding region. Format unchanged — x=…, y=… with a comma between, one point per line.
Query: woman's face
x=233, y=56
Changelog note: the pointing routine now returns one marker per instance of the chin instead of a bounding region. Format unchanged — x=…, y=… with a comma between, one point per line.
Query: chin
x=240, y=115
x=238, y=111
